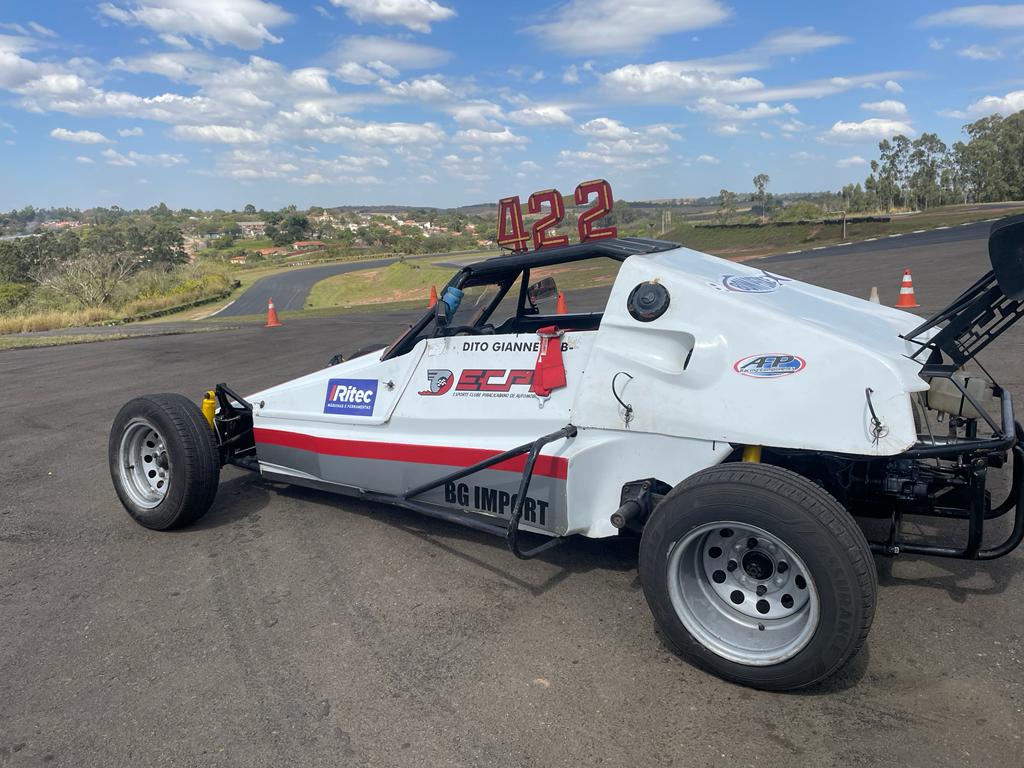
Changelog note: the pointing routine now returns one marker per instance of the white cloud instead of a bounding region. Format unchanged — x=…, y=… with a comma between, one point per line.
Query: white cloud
x=885, y=107
x=478, y=137
x=417, y=15
x=980, y=53
x=242, y=23
x=400, y=54
x=815, y=89
x=851, y=161
x=571, y=75
x=53, y=84
x=872, y=129
x=605, y=128
x=712, y=106
x=357, y=74
x=176, y=41
x=671, y=80
x=138, y=158
x=126, y=132
x=85, y=160
x=348, y=130
x=80, y=137
x=936, y=44
x=622, y=25
x=116, y=158
x=792, y=42
x=708, y=159
x=1005, y=105
x=482, y=114
x=542, y=114
x=986, y=15
x=804, y=157
x=223, y=134
x=893, y=87
x=423, y=89
x=727, y=129
x=40, y=30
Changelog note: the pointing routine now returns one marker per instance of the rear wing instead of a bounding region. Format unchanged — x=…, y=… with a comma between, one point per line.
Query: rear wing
x=979, y=315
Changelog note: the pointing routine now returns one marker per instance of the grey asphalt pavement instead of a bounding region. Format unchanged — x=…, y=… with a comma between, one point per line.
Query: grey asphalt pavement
x=295, y=628
x=290, y=289
x=942, y=237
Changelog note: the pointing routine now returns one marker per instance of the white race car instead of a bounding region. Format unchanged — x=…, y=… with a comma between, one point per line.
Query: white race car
x=733, y=419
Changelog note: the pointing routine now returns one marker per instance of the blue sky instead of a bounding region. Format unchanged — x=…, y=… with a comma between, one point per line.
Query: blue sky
x=217, y=103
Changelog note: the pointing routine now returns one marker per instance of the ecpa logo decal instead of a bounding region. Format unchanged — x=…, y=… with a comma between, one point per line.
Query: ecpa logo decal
x=440, y=380
x=769, y=366
x=351, y=397
x=763, y=283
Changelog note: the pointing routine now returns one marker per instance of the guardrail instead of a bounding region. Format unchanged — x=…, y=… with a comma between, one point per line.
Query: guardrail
x=235, y=284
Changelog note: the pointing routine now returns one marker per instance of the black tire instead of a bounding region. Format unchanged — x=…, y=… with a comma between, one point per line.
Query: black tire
x=810, y=522
x=190, y=455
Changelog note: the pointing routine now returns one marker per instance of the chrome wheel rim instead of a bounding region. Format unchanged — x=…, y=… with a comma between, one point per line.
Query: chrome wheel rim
x=143, y=464
x=743, y=593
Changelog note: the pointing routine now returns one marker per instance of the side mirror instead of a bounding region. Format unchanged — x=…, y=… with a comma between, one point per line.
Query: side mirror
x=1006, y=252
x=544, y=288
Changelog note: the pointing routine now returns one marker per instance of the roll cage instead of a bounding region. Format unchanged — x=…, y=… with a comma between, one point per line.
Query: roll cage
x=507, y=271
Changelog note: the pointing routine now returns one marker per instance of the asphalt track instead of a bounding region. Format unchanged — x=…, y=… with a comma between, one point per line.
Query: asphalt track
x=290, y=289
x=295, y=628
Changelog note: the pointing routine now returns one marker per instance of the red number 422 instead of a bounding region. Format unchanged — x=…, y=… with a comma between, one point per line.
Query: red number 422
x=512, y=231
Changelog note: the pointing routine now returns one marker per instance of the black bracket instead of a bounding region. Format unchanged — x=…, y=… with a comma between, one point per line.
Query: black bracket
x=511, y=531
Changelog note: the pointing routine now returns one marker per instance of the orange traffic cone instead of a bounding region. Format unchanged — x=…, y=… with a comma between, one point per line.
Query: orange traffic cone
x=907, y=300
x=433, y=297
x=272, y=321
x=560, y=308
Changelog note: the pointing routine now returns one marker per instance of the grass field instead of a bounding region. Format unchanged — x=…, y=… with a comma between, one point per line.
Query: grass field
x=744, y=242
x=396, y=283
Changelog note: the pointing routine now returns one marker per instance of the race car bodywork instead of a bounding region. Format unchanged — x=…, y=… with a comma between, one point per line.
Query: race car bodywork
x=697, y=380
x=733, y=418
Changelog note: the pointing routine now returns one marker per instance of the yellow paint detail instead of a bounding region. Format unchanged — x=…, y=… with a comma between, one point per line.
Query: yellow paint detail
x=752, y=453
x=209, y=406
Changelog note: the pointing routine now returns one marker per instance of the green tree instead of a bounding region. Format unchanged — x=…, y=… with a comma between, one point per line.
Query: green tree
x=761, y=185
x=727, y=206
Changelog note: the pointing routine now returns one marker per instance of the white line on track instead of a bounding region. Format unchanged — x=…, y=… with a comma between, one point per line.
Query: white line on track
x=898, y=234
x=792, y=251
x=937, y=228
x=871, y=240
x=839, y=244
x=222, y=308
x=918, y=231
x=819, y=248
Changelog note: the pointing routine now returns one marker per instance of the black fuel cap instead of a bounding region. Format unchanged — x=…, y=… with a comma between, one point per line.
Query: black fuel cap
x=648, y=301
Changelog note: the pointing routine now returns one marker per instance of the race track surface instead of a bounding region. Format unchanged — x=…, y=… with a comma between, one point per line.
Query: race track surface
x=290, y=289
x=295, y=628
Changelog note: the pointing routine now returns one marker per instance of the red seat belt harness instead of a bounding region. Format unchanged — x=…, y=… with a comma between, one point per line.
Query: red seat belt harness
x=549, y=373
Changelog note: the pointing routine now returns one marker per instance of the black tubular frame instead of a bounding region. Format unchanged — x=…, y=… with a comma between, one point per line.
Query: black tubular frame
x=511, y=531
x=975, y=453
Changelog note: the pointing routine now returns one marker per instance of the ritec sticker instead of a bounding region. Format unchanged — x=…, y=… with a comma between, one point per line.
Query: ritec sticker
x=351, y=397
x=769, y=366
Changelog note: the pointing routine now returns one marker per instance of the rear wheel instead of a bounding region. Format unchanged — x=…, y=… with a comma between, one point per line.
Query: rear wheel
x=163, y=461
x=758, y=575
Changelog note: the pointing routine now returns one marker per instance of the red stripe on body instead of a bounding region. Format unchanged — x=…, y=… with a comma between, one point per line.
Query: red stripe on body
x=546, y=466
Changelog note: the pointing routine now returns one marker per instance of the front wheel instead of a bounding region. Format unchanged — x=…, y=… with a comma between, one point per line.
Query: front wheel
x=758, y=575
x=163, y=461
